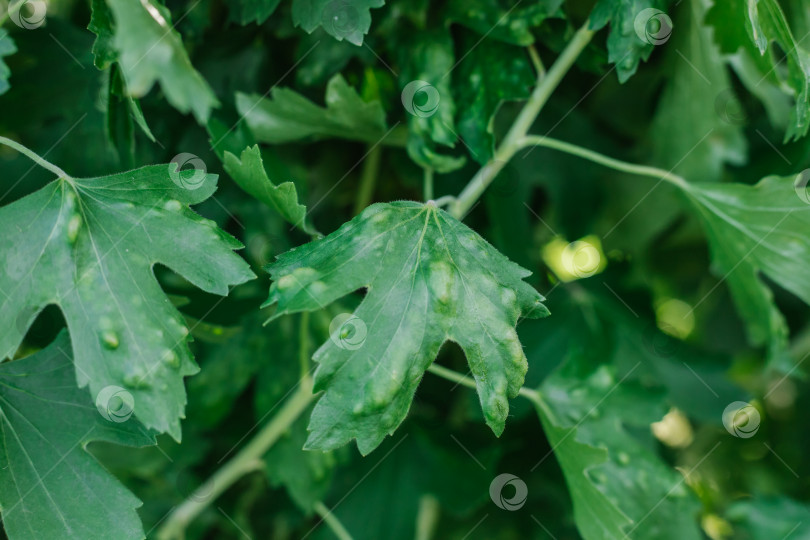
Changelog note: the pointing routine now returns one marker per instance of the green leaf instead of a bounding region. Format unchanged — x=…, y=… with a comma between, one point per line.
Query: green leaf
x=765, y=518
x=342, y=19
x=503, y=20
x=625, y=48
x=491, y=73
x=150, y=51
x=248, y=11
x=89, y=247
x=248, y=171
x=769, y=25
x=288, y=116
x=430, y=279
x=759, y=229
x=619, y=486
x=420, y=463
x=687, y=131
x=50, y=486
x=101, y=24
x=428, y=59
x=7, y=48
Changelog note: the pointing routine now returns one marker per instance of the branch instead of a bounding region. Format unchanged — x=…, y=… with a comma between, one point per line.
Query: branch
x=512, y=142
x=247, y=460
x=332, y=522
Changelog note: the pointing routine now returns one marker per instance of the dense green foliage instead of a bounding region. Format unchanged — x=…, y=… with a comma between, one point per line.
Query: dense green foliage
x=404, y=269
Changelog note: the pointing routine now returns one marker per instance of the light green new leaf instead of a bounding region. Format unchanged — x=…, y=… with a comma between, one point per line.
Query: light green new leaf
x=150, y=50
x=625, y=48
x=491, y=73
x=248, y=171
x=619, y=486
x=687, y=131
x=342, y=19
x=7, y=48
x=430, y=279
x=50, y=487
x=288, y=116
x=248, y=11
x=752, y=229
x=88, y=245
x=503, y=20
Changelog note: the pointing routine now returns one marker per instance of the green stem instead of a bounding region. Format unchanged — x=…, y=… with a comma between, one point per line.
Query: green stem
x=511, y=143
x=34, y=157
x=623, y=166
x=537, y=62
x=303, y=344
x=427, y=184
x=247, y=460
x=368, y=178
x=332, y=522
x=456, y=377
x=427, y=517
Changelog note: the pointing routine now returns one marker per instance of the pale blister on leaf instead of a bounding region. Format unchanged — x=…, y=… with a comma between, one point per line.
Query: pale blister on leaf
x=430, y=279
x=89, y=247
x=50, y=486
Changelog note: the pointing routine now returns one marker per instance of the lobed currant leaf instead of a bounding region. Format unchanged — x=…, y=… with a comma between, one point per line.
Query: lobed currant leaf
x=90, y=245
x=429, y=279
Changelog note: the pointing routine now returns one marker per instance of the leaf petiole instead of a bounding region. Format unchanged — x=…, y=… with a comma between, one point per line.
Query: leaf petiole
x=463, y=380
x=36, y=158
x=590, y=155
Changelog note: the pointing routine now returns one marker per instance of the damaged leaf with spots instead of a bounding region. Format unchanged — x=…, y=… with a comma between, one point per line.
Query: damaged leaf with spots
x=429, y=280
x=90, y=248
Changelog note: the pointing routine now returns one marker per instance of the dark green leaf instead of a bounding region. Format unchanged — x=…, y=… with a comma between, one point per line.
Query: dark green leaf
x=502, y=20
x=491, y=73
x=248, y=11
x=50, y=487
x=636, y=26
x=288, y=116
x=342, y=19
